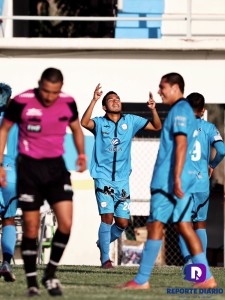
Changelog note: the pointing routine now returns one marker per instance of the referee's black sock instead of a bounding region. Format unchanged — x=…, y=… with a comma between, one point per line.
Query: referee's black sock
x=59, y=243
x=29, y=255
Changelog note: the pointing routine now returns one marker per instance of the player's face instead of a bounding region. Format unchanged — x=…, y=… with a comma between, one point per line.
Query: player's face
x=113, y=103
x=49, y=92
x=166, y=92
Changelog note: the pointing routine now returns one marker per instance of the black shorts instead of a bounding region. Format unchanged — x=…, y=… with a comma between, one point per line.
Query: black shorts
x=40, y=179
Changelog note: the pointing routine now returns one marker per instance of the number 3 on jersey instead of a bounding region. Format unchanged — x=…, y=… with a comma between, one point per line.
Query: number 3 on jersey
x=196, y=153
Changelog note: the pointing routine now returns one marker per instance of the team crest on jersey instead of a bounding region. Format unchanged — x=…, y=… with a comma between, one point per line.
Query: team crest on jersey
x=115, y=141
x=34, y=112
x=124, y=126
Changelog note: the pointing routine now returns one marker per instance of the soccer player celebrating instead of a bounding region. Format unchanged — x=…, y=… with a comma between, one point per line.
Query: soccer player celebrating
x=8, y=194
x=208, y=135
x=172, y=184
x=43, y=115
x=111, y=164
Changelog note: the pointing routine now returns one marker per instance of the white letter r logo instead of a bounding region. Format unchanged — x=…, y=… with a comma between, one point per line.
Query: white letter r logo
x=196, y=273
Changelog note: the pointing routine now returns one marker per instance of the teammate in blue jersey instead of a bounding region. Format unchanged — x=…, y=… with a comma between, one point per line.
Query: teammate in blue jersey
x=172, y=184
x=8, y=194
x=111, y=164
x=208, y=136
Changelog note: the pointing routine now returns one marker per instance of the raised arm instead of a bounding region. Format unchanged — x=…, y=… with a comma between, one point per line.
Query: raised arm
x=4, y=131
x=86, y=121
x=156, y=124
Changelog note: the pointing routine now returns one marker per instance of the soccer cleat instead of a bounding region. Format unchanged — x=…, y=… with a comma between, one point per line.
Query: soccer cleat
x=6, y=272
x=107, y=265
x=53, y=286
x=207, y=284
x=33, y=291
x=132, y=285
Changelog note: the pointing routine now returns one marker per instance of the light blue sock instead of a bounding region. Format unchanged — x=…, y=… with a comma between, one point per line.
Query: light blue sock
x=203, y=238
x=8, y=242
x=148, y=258
x=116, y=232
x=201, y=259
x=104, y=240
x=184, y=249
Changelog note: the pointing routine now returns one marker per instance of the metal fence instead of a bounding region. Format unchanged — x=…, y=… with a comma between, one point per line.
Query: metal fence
x=184, y=20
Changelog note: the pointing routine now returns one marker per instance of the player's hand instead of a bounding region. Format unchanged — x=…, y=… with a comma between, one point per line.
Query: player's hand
x=81, y=164
x=210, y=170
x=151, y=102
x=97, y=93
x=177, y=188
x=3, y=181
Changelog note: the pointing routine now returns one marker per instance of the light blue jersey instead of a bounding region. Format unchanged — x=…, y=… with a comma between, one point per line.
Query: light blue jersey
x=8, y=194
x=208, y=135
x=180, y=121
x=11, y=149
x=111, y=158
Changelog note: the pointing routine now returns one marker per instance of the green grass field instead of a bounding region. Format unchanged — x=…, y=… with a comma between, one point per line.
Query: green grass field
x=92, y=283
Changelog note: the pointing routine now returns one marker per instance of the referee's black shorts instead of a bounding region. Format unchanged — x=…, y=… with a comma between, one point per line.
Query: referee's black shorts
x=40, y=179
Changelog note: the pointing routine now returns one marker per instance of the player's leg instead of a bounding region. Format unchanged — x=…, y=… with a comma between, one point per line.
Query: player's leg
x=104, y=192
x=182, y=215
x=31, y=223
x=30, y=200
x=61, y=201
x=103, y=243
x=160, y=211
x=63, y=212
x=199, y=215
x=184, y=250
x=150, y=252
x=118, y=228
x=122, y=209
x=8, y=240
x=200, y=229
x=198, y=256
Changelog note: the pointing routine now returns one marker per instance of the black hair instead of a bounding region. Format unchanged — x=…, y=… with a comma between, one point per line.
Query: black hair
x=53, y=75
x=5, y=94
x=105, y=97
x=197, y=101
x=175, y=78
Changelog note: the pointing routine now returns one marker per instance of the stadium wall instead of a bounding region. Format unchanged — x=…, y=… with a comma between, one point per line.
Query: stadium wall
x=132, y=69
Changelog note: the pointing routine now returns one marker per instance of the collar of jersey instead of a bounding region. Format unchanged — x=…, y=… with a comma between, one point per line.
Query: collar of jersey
x=121, y=116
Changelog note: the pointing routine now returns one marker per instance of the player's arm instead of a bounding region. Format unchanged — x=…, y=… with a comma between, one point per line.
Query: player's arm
x=156, y=124
x=78, y=138
x=86, y=121
x=180, y=156
x=220, y=153
x=4, y=131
